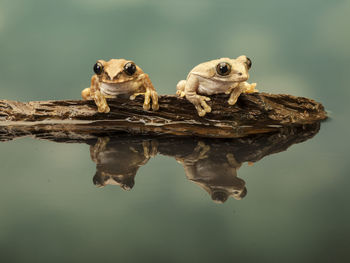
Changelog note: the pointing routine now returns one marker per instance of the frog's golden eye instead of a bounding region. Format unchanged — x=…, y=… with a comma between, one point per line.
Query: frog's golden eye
x=223, y=68
x=98, y=68
x=249, y=63
x=129, y=68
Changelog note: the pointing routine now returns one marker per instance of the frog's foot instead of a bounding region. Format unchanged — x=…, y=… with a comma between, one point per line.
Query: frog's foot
x=133, y=149
x=133, y=96
x=103, y=108
x=180, y=88
x=85, y=94
x=180, y=93
x=146, y=103
x=202, y=149
x=149, y=94
x=201, y=106
x=251, y=88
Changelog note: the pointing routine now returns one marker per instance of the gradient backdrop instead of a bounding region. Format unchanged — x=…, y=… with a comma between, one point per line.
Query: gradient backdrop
x=297, y=207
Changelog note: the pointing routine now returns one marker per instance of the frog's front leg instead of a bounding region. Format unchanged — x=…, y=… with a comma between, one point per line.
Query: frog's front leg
x=198, y=101
x=235, y=94
x=200, y=152
x=99, y=147
x=232, y=161
x=150, y=93
x=150, y=148
x=96, y=94
x=249, y=88
x=243, y=87
x=86, y=94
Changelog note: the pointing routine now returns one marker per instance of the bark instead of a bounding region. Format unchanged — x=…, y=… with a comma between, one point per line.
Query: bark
x=252, y=114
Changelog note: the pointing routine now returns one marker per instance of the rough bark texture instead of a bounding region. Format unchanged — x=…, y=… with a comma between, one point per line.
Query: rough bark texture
x=252, y=114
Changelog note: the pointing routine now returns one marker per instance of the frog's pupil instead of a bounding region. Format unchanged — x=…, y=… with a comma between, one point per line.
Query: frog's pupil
x=223, y=69
x=249, y=63
x=98, y=68
x=130, y=68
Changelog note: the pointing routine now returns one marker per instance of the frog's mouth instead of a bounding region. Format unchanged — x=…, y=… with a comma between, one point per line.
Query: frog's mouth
x=110, y=89
x=114, y=89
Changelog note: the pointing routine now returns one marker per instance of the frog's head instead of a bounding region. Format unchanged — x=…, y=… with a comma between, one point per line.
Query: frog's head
x=125, y=181
x=238, y=195
x=116, y=70
x=219, y=196
x=233, y=70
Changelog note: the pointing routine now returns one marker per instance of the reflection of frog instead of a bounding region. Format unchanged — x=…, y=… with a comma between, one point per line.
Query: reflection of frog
x=222, y=75
x=117, y=161
x=214, y=173
x=119, y=77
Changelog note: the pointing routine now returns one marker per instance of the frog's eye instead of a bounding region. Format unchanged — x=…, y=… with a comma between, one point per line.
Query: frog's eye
x=129, y=68
x=98, y=68
x=223, y=68
x=249, y=63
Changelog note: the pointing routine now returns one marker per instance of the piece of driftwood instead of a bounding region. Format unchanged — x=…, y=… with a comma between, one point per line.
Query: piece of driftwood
x=252, y=114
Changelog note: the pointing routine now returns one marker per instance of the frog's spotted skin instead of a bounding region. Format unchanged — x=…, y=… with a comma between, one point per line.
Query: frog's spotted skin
x=222, y=75
x=119, y=77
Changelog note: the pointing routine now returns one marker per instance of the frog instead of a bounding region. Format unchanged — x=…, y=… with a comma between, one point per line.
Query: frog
x=223, y=75
x=122, y=78
x=119, y=158
x=214, y=169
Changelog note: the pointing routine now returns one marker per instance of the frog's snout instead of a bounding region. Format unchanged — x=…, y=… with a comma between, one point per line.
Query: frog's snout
x=219, y=196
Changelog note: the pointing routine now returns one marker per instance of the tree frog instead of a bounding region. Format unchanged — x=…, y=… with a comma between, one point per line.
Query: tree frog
x=119, y=77
x=224, y=75
x=118, y=159
x=215, y=170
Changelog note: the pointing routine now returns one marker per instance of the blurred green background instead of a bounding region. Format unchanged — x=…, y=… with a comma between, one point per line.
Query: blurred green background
x=297, y=207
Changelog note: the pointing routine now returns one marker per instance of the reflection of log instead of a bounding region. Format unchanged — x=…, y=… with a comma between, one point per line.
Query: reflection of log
x=253, y=114
x=248, y=149
x=212, y=164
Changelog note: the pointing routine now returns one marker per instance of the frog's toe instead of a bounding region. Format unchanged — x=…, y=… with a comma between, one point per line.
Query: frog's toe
x=251, y=88
x=205, y=106
x=155, y=106
x=103, y=109
x=146, y=106
x=232, y=101
x=200, y=111
x=106, y=109
x=207, y=109
x=180, y=94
